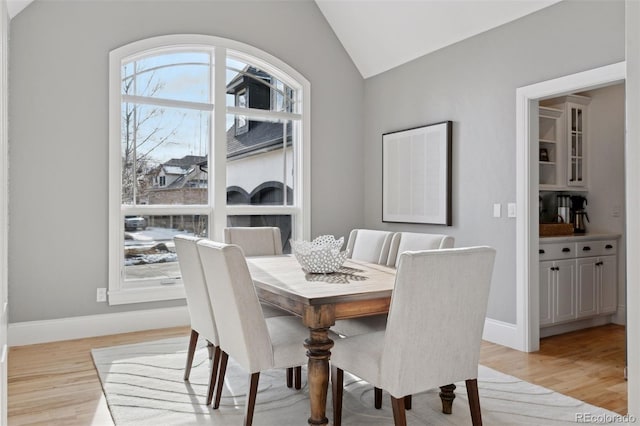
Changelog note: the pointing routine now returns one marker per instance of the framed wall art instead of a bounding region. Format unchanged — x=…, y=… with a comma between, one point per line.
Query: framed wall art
x=416, y=175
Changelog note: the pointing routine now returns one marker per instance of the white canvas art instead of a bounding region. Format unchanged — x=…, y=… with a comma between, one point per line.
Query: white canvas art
x=416, y=175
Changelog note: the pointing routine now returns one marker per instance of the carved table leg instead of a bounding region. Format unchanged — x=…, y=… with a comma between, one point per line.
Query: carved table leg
x=318, y=345
x=447, y=396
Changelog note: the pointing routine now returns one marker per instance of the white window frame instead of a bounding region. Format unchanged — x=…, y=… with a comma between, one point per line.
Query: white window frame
x=217, y=210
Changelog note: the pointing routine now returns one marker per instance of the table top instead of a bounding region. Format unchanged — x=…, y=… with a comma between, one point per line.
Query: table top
x=355, y=281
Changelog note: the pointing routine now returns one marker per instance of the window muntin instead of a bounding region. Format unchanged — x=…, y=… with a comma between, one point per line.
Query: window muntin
x=270, y=199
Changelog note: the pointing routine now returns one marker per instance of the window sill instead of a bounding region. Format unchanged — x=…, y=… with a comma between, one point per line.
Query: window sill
x=146, y=294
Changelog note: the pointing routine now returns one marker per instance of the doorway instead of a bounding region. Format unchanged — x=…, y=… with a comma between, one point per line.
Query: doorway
x=527, y=154
x=527, y=330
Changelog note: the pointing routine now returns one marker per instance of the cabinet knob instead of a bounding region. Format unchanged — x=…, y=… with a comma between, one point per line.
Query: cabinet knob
x=566, y=250
x=608, y=246
x=541, y=251
x=586, y=248
x=599, y=263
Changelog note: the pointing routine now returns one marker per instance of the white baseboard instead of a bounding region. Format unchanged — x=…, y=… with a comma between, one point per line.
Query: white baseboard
x=620, y=317
x=31, y=332
x=575, y=325
x=500, y=332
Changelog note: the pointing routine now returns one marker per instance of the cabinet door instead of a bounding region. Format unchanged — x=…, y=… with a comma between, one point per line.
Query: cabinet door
x=607, y=274
x=565, y=291
x=587, y=283
x=547, y=275
x=576, y=143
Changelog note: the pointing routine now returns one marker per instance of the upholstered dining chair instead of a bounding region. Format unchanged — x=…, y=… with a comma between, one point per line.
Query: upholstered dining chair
x=255, y=342
x=369, y=245
x=200, y=312
x=263, y=241
x=399, y=243
x=433, y=331
x=414, y=241
x=255, y=241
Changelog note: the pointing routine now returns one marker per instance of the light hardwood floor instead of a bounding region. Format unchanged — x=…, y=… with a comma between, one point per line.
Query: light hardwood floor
x=56, y=383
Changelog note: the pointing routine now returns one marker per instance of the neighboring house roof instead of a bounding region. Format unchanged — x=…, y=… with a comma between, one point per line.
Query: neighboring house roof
x=174, y=170
x=261, y=136
x=186, y=161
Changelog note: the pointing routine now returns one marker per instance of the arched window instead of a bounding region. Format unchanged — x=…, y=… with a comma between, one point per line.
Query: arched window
x=195, y=120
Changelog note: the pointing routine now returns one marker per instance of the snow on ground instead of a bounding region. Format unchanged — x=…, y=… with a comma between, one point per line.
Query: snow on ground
x=151, y=237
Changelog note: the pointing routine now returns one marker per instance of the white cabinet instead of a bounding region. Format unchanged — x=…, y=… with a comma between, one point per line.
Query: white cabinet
x=597, y=289
x=587, y=287
x=557, y=291
x=577, y=142
x=577, y=280
x=562, y=131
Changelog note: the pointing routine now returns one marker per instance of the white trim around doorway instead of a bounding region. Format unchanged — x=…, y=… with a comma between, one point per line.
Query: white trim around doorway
x=527, y=328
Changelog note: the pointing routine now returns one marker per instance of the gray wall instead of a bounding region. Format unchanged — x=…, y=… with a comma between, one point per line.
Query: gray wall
x=58, y=131
x=473, y=83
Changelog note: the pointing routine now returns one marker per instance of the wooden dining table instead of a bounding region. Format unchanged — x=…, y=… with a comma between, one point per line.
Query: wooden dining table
x=358, y=289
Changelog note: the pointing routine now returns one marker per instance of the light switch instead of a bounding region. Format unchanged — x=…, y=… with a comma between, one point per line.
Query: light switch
x=497, y=210
x=511, y=210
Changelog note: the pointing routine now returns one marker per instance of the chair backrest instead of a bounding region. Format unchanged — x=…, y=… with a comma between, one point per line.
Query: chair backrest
x=255, y=241
x=413, y=241
x=195, y=288
x=434, y=329
x=242, y=328
x=369, y=245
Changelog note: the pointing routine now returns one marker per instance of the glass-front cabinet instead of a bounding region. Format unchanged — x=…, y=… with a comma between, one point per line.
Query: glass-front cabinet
x=563, y=144
x=576, y=144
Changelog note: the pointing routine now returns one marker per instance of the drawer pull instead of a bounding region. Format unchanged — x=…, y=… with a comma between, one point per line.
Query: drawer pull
x=599, y=263
x=586, y=248
x=540, y=251
x=608, y=246
x=566, y=250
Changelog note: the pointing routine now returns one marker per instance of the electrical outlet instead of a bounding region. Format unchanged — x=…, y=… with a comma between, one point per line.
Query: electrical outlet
x=101, y=295
x=511, y=210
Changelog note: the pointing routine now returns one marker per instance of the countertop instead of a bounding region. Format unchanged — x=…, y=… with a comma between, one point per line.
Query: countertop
x=589, y=236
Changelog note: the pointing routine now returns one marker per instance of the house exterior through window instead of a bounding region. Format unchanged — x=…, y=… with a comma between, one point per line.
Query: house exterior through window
x=204, y=133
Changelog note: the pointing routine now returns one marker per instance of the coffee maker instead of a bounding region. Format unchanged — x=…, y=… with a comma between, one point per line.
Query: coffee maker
x=562, y=203
x=579, y=214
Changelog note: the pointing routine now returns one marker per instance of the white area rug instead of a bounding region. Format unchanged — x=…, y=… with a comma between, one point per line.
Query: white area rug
x=143, y=385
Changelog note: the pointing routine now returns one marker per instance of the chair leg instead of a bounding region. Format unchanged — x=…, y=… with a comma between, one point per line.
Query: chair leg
x=407, y=402
x=211, y=349
x=377, y=398
x=223, y=369
x=251, y=399
x=447, y=396
x=298, y=377
x=399, y=415
x=474, y=401
x=337, y=388
x=290, y=377
x=193, y=341
x=214, y=373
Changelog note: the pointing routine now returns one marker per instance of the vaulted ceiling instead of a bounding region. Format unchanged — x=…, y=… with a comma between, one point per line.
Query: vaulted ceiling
x=382, y=34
